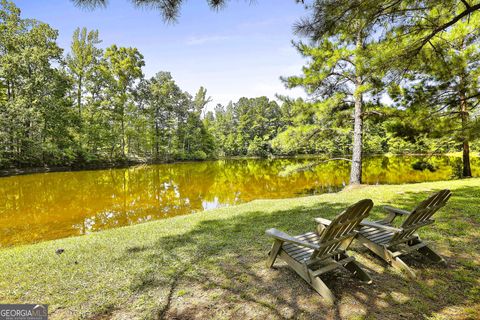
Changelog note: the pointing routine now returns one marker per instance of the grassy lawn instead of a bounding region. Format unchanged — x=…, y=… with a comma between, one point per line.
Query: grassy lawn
x=211, y=265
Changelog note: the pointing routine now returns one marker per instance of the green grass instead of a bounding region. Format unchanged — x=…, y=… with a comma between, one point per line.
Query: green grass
x=211, y=265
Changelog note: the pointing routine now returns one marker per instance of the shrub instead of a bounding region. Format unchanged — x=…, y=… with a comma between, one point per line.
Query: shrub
x=198, y=155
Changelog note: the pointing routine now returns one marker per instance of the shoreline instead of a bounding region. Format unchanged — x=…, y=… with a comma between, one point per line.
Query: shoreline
x=87, y=167
x=47, y=169
x=10, y=172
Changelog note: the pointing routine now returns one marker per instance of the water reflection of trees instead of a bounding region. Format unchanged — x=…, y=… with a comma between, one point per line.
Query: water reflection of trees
x=55, y=205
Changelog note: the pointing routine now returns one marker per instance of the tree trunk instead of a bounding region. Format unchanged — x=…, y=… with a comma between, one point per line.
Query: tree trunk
x=467, y=170
x=157, y=138
x=9, y=95
x=122, y=130
x=122, y=120
x=356, y=168
x=79, y=98
x=123, y=136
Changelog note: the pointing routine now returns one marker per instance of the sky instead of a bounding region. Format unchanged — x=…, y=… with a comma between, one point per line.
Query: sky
x=241, y=50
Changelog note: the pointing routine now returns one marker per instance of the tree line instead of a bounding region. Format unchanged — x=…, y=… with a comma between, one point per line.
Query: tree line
x=90, y=106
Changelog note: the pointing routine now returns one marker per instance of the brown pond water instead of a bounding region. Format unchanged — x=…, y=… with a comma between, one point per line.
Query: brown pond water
x=47, y=206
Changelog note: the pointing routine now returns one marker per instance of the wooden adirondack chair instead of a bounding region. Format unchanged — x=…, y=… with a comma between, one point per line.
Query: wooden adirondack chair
x=390, y=243
x=315, y=253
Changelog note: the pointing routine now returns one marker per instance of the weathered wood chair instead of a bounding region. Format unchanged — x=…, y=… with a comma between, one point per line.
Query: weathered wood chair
x=315, y=253
x=390, y=243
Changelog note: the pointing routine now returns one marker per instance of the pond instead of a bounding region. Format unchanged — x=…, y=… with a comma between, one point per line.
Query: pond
x=47, y=206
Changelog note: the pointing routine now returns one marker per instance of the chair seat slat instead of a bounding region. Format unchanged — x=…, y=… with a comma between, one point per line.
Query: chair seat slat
x=370, y=231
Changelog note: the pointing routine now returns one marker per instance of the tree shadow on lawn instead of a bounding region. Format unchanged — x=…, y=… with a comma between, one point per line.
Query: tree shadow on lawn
x=217, y=270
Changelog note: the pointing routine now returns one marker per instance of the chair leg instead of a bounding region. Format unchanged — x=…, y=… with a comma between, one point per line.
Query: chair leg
x=428, y=252
x=386, y=255
x=432, y=255
x=358, y=271
x=272, y=255
x=400, y=265
x=322, y=289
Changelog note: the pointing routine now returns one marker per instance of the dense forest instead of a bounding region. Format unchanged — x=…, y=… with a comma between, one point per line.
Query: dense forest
x=92, y=104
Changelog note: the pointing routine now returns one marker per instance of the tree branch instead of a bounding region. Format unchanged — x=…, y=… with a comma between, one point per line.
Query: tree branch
x=466, y=12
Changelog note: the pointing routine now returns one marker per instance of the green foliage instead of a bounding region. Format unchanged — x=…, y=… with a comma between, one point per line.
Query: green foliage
x=246, y=127
x=257, y=147
x=170, y=9
x=199, y=155
x=424, y=55
x=97, y=109
x=441, y=90
x=314, y=127
x=82, y=60
x=36, y=116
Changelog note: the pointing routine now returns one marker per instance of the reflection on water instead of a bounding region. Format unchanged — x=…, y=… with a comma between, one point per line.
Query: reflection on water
x=55, y=205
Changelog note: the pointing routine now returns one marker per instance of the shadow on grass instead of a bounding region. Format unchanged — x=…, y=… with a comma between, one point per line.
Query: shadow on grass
x=217, y=270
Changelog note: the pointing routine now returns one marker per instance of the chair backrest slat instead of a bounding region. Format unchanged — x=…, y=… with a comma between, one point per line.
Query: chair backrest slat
x=343, y=227
x=427, y=208
x=421, y=215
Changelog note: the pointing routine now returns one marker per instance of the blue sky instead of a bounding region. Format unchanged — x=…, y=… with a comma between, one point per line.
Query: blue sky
x=242, y=50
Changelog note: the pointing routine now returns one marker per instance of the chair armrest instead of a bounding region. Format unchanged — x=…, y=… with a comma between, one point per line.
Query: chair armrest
x=367, y=223
x=279, y=235
x=395, y=210
x=323, y=221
